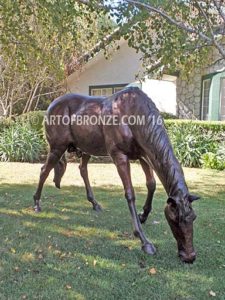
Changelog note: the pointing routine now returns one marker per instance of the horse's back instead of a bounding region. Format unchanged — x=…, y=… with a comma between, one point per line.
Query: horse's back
x=63, y=124
x=95, y=138
x=72, y=100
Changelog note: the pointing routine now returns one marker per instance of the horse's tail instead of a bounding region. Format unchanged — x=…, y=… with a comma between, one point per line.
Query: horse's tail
x=59, y=171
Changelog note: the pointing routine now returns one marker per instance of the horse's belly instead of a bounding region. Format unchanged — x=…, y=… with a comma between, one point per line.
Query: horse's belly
x=89, y=141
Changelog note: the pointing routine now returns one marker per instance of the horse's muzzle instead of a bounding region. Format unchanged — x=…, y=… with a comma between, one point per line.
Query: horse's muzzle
x=187, y=258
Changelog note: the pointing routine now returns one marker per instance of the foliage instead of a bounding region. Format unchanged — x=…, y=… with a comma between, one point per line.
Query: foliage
x=173, y=35
x=34, y=119
x=198, y=143
x=43, y=37
x=214, y=126
x=191, y=142
x=167, y=116
x=190, y=139
x=5, y=123
x=214, y=160
x=19, y=142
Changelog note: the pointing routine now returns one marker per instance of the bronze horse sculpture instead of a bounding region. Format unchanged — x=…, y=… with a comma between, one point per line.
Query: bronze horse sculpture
x=122, y=141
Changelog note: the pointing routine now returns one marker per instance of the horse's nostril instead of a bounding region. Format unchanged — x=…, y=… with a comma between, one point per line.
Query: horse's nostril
x=187, y=258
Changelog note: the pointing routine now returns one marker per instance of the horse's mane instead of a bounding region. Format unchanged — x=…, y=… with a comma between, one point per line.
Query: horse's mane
x=157, y=144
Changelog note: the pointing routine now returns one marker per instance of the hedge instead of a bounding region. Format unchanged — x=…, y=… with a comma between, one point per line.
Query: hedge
x=191, y=139
x=214, y=126
x=35, y=119
x=5, y=123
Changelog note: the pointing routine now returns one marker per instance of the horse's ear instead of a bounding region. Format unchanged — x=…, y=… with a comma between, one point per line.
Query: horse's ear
x=172, y=209
x=172, y=201
x=192, y=198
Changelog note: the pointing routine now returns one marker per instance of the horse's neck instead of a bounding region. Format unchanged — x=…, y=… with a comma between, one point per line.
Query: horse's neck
x=172, y=178
x=162, y=158
x=155, y=143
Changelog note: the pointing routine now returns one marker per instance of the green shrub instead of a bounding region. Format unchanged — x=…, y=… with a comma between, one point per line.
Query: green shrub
x=214, y=160
x=214, y=126
x=34, y=119
x=20, y=142
x=5, y=123
x=167, y=116
x=196, y=143
x=190, y=141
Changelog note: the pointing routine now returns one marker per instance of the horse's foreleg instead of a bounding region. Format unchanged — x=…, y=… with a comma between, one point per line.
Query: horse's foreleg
x=52, y=159
x=123, y=166
x=59, y=170
x=84, y=174
x=151, y=185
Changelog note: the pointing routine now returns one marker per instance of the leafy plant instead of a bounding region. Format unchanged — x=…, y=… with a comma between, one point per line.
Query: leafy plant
x=5, y=123
x=191, y=142
x=214, y=160
x=34, y=119
x=20, y=142
x=168, y=116
x=217, y=127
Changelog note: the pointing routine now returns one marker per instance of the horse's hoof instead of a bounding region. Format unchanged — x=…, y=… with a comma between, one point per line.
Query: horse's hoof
x=142, y=218
x=149, y=248
x=37, y=209
x=57, y=184
x=97, y=207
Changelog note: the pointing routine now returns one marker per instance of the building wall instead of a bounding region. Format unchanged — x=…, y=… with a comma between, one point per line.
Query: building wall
x=189, y=90
x=122, y=68
x=188, y=96
x=162, y=92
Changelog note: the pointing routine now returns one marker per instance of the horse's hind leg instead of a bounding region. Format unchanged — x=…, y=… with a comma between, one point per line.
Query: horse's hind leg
x=123, y=166
x=151, y=185
x=84, y=174
x=52, y=159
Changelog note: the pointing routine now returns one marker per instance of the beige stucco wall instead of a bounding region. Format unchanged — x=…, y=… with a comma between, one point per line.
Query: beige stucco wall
x=121, y=68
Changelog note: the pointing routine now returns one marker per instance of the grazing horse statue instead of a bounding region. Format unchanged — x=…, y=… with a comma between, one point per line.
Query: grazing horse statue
x=123, y=141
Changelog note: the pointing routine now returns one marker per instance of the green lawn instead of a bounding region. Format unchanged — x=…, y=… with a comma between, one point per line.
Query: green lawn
x=71, y=252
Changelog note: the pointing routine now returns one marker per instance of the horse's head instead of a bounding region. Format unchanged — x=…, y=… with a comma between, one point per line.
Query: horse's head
x=180, y=216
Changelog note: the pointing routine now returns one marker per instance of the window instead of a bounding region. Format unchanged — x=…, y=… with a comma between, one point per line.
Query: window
x=206, y=83
x=213, y=97
x=105, y=90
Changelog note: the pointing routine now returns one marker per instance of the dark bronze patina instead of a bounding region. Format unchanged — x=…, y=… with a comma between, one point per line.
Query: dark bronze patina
x=123, y=142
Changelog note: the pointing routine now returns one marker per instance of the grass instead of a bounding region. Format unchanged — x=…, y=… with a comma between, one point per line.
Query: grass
x=70, y=252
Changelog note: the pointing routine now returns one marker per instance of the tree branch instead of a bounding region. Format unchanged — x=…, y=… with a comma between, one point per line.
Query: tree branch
x=216, y=44
x=90, y=3
x=115, y=35
x=86, y=2
x=219, y=9
x=154, y=66
x=179, y=24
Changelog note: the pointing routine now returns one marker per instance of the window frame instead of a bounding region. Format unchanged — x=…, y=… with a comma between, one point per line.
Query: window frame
x=205, y=77
x=220, y=100
x=106, y=86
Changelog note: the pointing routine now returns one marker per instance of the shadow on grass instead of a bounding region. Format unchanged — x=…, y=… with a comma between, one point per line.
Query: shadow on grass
x=69, y=251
